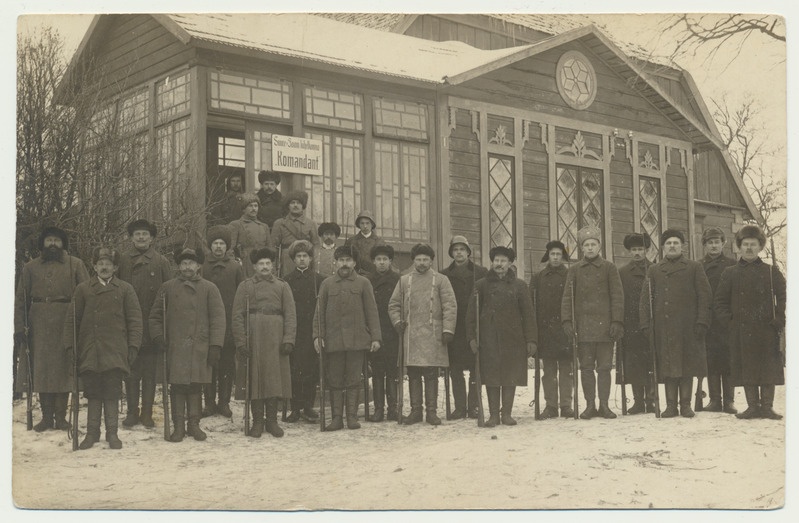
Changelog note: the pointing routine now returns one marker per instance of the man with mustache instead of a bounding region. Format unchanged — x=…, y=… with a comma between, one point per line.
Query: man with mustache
x=269, y=197
x=249, y=233
x=293, y=226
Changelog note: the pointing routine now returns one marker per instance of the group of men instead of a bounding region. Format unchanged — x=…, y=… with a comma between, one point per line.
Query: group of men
x=241, y=315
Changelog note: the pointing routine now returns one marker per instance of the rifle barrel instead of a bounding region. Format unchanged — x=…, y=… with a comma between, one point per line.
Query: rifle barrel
x=575, y=359
x=165, y=359
x=652, y=348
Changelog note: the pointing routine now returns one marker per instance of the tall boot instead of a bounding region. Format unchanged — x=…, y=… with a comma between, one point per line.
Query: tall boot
x=336, y=410
x=308, y=399
x=603, y=386
x=415, y=393
x=686, y=386
x=639, y=401
x=672, y=387
x=194, y=404
x=225, y=388
x=132, y=388
x=508, y=393
x=111, y=411
x=589, y=393
x=649, y=395
x=179, y=402
x=714, y=391
x=60, y=403
x=431, y=396
x=473, y=398
x=270, y=424
x=493, y=394
x=458, y=393
x=379, y=394
x=47, y=403
x=352, y=408
x=93, y=416
x=209, y=393
x=257, y=407
x=391, y=397
x=767, y=402
x=752, y=393
x=728, y=390
x=296, y=405
x=147, y=401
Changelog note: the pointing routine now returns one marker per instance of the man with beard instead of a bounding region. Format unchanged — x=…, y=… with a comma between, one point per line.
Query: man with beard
x=45, y=290
x=248, y=233
x=384, y=361
x=230, y=207
x=750, y=305
x=324, y=260
x=364, y=241
x=188, y=321
x=508, y=333
x=292, y=227
x=270, y=198
x=222, y=269
x=108, y=318
x=304, y=283
x=462, y=273
x=423, y=310
x=145, y=269
x=636, y=359
x=554, y=348
x=680, y=294
x=718, y=356
x=346, y=325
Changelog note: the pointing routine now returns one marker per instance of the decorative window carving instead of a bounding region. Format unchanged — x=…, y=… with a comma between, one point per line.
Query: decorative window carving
x=500, y=130
x=580, y=149
x=576, y=80
x=649, y=156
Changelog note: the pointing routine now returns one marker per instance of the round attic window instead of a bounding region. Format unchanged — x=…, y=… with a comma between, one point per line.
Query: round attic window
x=576, y=80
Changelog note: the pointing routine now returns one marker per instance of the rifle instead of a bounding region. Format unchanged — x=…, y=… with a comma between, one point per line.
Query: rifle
x=446, y=390
x=575, y=359
x=75, y=378
x=620, y=371
x=401, y=376
x=165, y=383
x=537, y=379
x=480, y=413
x=780, y=352
x=366, y=385
x=247, y=365
x=29, y=388
x=652, y=350
x=321, y=360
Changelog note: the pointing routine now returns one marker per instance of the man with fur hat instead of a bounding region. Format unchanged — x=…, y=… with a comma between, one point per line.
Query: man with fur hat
x=44, y=292
x=681, y=297
x=718, y=356
x=229, y=206
x=222, y=269
x=264, y=314
x=270, y=198
x=304, y=283
x=364, y=241
x=345, y=327
x=106, y=312
x=508, y=333
x=145, y=269
x=324, y=260
x=750, y=305
x=292, y=227
x=248, y=233
x=188, y=321
x=554, y=348
x=599, y=310
x=424, y=312
x=636, y=359
x=462, y=274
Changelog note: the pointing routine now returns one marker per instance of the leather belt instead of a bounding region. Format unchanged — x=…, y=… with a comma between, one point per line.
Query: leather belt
x=51, y=299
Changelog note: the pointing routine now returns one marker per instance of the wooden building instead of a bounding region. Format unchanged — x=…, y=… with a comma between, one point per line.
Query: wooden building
x=508, y=129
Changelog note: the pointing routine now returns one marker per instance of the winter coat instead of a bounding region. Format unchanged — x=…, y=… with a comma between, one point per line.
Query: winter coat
x=324, y=262
x=507, y=325
x=634, y=346
x=227, y=209
x=272, y=321
x=462, y=279
x=109, y=323
x=145, y=271
x=193, y=321
x=427, y=302
x=383, y=286
x=346, y=317
x=246, y=236
x=743, y=306
x=599, y=299
x=286, y=231
x=270, y=207
x=363, y=247
x=226, y=273
x=682, y=300
x=48, y=287
x=546, y=288
x=718, y=356
x=305, y=287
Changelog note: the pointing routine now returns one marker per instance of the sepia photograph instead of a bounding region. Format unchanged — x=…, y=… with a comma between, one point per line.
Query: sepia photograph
x=436, y=258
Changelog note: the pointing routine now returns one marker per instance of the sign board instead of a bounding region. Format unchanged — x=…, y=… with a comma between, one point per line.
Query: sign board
x=292, y=154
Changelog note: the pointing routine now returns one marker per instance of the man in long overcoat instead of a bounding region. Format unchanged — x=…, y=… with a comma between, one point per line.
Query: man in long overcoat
x=188, y=321
x=682, y=300
x=554, y=348
x=462, y=274
x=324, y=259
x=293, y=226
x=346, y=325
x=750, y=305
x=222, y=269
x=248, y=233
x=145, y=269
x=636, y=361
x=106, y=312
x=270, y=198
x=424, y=311
x=229, y=206
x=364, y=240
x=44, y=292
x=718, y=352
x=304, y=283
x=599, y=308
x=264, y=315
x=508, y=333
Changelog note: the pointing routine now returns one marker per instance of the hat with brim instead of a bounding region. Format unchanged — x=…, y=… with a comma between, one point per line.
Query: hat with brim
x=459, y=240
x=712, y=232
x=368, y=215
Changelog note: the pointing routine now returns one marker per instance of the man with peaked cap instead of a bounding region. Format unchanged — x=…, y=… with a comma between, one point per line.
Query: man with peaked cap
x=106, y=312
x=554, y=348
x=248, y=233
x=716, y=341
x=637, y=361
x=293, y=226
x=424, y=311
x=682, y=313
x=44, y=292
x=599, y=310
x=750, y=305
x=270, y=198
x=192, y=331
x=364, y=241
x=508, y=333
x=304, y=283
x=345, y=327
x=324, y=261
x=222, y=269
x=145, y=269
x=462, y=274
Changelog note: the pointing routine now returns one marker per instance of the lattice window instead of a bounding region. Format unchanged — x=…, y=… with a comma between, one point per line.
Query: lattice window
x=333, y=108
x=173, y=143
x=251, y=95
x=230, y=151
x=414, y=177
x=501, y=221
x=172, y=97
x=651, y=221
x=134, y=111
x=579, y=202
x=399, y=119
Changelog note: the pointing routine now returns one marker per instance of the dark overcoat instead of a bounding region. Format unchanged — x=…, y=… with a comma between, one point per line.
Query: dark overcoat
x=682, y=300
x=286, y=231
x=743, y=305
x=363, y=248
x=634, y=346
x=145, y=271
x=226, y=273
x=383, y=286
x=507, y=325
x=305, y=287
x=246, y=236
x=599, y=299
x=718, y=356
x=270, y=207
x=347, y=318
x=462, y=278
x=546, y=288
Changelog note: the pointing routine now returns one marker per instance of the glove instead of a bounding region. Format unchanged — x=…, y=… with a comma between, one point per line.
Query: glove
x=214, y=354
x=473, y=346
x=20, y=338
x=400, y=326
x=158, y=344
x=616, y=330
x=132, y=353
x=532, y=348
x=286, y=348
x=447, y=338
x=243, y=352
x=700, y=331
x=568, y=328
x=375, y=346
